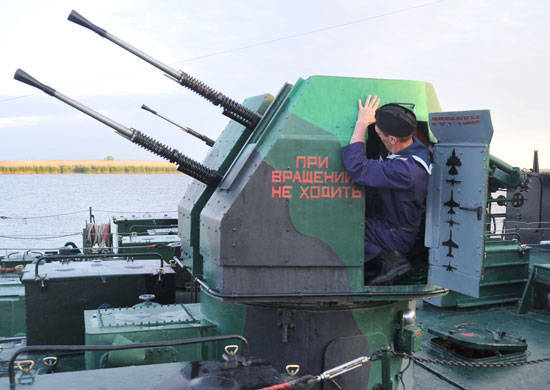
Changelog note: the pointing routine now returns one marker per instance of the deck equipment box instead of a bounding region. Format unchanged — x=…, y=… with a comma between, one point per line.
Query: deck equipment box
x=58, y=294
x=142, y=323
x=12, y=307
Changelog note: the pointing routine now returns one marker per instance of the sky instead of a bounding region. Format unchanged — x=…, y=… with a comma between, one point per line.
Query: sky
x=478, y=55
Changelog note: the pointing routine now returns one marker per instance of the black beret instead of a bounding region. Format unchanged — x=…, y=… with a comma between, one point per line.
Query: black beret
x=395, y=120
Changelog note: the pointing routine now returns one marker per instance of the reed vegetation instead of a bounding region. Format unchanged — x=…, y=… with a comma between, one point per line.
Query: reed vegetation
x=85, y=166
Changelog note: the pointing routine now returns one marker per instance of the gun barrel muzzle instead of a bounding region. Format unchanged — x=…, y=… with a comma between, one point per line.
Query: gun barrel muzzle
x=143, y=106
x=75, y=17
x=24, y=77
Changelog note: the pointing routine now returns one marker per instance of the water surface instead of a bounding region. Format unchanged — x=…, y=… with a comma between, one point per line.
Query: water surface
x=28, y=201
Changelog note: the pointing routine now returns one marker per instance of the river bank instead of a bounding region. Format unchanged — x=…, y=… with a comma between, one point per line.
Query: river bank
x=25, y=167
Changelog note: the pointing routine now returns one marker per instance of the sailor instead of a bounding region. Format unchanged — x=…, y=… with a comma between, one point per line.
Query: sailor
x=400, y=180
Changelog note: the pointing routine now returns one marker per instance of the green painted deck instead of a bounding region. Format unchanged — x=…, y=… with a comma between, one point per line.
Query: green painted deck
x=535, y=327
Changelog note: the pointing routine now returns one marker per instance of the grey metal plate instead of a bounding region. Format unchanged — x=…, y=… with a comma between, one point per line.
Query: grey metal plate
x=90, y=269
x=142, y=218
x=150, y=239
x=162, y=231
x=155, y=315
x=11, y=287
x=456, y=200
x=123, y=378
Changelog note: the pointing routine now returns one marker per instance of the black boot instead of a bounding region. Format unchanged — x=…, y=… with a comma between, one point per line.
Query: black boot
x=394, y=265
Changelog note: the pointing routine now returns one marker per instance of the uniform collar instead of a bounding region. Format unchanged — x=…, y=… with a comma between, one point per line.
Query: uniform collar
x=418, y=151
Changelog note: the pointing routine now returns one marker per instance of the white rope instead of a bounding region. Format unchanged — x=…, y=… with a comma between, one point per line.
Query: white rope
x=95, y=235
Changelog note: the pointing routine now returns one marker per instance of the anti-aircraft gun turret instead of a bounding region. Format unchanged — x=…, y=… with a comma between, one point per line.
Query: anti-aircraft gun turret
x=273, y=228
x=280, y=236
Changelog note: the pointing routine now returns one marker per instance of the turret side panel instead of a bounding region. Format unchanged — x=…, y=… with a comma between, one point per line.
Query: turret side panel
x=219, y=157
x=280, y=230
x=457, y=194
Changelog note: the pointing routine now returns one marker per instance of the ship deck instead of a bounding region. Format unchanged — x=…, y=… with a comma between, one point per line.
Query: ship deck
x=533, y=326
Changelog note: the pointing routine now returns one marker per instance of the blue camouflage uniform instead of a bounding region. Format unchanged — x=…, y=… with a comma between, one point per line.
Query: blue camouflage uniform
x=401, y=182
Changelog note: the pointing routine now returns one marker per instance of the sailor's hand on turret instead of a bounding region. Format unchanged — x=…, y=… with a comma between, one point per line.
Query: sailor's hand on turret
x=365, y=117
